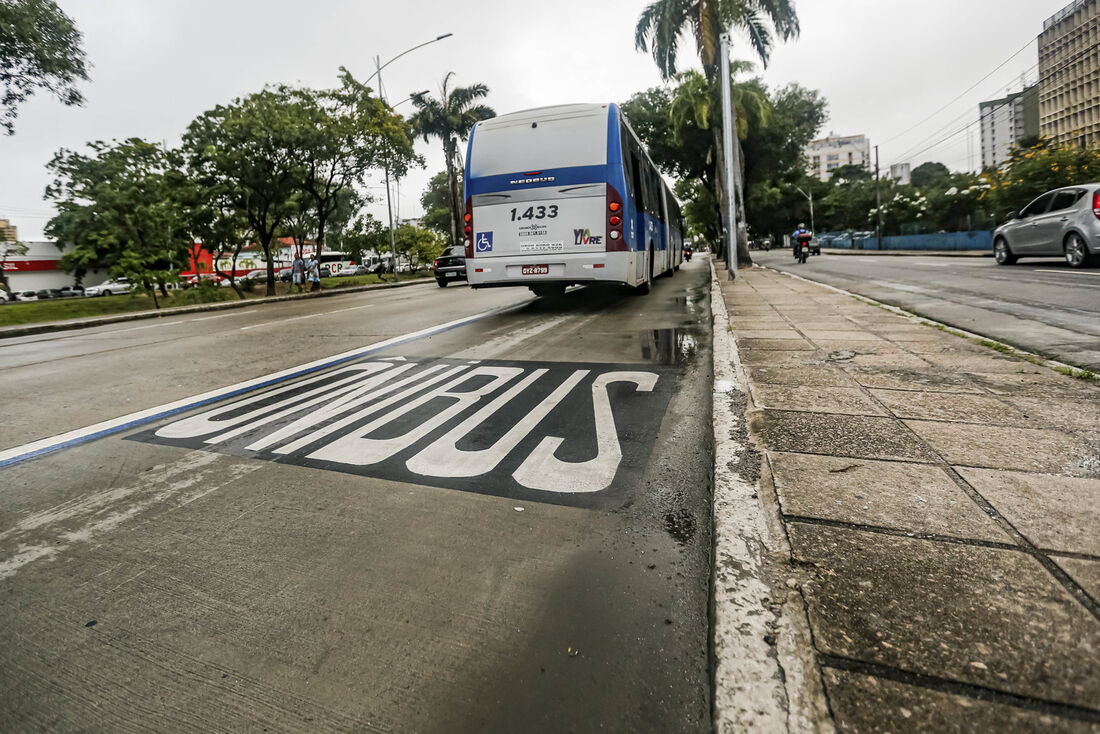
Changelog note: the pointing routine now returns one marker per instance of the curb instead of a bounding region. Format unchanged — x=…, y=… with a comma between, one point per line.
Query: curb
x=8, y=332
x=764, y=669
x=1009, y=349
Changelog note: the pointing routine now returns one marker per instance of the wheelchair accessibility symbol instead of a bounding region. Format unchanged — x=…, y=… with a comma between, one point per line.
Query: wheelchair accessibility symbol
x=484, y=242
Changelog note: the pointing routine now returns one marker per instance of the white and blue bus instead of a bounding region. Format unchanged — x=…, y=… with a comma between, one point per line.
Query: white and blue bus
x=566, y=195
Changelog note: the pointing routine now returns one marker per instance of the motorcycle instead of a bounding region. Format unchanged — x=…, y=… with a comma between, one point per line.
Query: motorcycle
x=687, y=254
x=802, y=247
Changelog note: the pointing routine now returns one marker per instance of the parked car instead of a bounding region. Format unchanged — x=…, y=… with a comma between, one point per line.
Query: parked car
x=382, y=267
x=1064, y=222
x=450, y=266
x=353, y=270
x=284, y=274
x=72, y=291
x=212, y=278
x=46, y=294
x=5, y=296
x=26, y=296
x=255, y=276
x=109, y=288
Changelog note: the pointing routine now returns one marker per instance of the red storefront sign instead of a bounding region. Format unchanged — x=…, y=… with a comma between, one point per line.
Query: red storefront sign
x=26, y=266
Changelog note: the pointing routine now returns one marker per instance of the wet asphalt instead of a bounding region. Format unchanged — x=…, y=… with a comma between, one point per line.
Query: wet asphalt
x=155, y=583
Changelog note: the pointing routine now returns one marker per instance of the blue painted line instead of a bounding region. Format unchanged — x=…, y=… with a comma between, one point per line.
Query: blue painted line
x=251, y=388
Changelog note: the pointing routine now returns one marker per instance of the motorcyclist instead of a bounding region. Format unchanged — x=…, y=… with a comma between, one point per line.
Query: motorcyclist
x=794, y=237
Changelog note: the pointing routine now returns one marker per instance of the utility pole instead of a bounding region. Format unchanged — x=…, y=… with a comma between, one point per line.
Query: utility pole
x=878, y=204
x=727, y=143
x=809, y=196
x=389, y=204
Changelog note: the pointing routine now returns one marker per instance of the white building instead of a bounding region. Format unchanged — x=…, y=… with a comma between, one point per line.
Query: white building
x=1007, y=121
x=826, y=155
x=40, y=268
x=899, y=172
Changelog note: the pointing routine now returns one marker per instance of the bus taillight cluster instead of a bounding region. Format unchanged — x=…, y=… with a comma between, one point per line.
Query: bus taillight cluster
x=468, y=228
x=615, y=240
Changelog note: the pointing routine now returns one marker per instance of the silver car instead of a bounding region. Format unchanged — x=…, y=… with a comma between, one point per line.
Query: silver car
x=1060, y=223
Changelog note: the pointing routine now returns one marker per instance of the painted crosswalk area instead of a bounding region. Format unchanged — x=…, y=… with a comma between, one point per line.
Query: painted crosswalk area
x=576, y=434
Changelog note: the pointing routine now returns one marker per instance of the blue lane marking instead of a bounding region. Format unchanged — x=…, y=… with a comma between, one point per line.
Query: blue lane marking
x=234, y=393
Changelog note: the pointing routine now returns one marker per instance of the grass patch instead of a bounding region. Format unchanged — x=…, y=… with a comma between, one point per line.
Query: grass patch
x=997, y=347
x=37, y=312
x=1082, y=374
x=945, y=329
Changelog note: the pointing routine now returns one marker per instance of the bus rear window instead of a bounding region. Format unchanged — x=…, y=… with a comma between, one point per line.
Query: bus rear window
x=522, y=143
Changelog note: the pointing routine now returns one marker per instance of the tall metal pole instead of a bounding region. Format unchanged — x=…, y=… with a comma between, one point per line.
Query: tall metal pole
x=878, y=205
x=727, y=143
x=389, y=204
x=809, y=196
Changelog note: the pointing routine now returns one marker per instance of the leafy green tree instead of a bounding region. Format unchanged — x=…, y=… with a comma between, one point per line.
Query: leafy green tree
x=9, y=248
x=418, y=244
x=1033, y=170
x=436, y=202
x=450, y=118
x=365, y=234
x=121, y=208
x=929, y=174
x=251, y=148
x=662, y=23
x=851, y=172
x=39, y=50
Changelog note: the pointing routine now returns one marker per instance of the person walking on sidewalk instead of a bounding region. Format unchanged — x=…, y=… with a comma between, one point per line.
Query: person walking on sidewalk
x=314, y=270
x=298, y=272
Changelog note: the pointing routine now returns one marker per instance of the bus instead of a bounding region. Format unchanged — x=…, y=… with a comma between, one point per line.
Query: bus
x=566, y=195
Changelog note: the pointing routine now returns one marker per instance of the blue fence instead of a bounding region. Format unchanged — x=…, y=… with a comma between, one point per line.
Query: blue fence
x=976, y=240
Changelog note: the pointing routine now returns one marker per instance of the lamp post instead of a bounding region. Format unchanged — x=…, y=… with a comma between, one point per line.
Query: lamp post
x=378, y=67
x=728, y=123
x=809, y=196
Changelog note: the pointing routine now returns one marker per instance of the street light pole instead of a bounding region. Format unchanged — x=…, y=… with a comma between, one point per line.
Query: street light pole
x=378, y=67
x=809, y=196
x=727, y=143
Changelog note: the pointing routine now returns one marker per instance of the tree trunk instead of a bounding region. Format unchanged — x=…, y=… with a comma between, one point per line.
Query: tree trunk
x=452, y=179
x=266, y=244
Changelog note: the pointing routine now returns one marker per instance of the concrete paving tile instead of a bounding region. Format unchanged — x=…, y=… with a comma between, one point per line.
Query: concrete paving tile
x=1053, y=512
x=967, y=408
x=903, y=361
x=849, y=335
x=776, y=358
x=916, y=498
x=750, y=333
x=824, y=376
x=866, y=437
x=846, y=400
x=870, y=705
x=923, y=334
x=926, y=378
x=958, y=346
x=1028, y=383
x=977, y=615
x=777, y=344
x=1002, y=447
x=1074, y=415
x=1085, y=573
x=991, y=363
x=859, y=346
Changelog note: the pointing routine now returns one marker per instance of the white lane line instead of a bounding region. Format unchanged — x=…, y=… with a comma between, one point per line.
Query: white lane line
x=1064, y=272
x=133, y=328
x=280, y=322
x=42, y=446
x=222, y=316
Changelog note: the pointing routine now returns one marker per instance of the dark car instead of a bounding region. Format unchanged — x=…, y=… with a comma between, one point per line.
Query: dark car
x=450, y=266
x=47, y=293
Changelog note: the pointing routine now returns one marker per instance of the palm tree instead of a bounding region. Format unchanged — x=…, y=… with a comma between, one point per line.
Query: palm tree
x=450, y=118
x=663, y=22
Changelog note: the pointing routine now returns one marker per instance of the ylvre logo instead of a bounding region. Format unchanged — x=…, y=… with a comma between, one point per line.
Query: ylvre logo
x=585, y=237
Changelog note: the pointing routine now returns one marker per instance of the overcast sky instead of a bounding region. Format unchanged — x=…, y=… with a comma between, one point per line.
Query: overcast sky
x=883, y=65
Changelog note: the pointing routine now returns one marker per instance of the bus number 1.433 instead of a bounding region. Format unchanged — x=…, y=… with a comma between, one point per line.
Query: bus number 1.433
x=536, y=212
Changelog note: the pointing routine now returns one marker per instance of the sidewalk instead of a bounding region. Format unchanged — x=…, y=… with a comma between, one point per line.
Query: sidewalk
x=935, y=520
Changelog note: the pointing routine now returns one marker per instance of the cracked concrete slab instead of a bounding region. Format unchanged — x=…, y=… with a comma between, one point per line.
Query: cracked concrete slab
x=838, y=435
x=1003, y=447
x=916, y=498
x=982, y=616
x=1053, y=512
x=961, y=407
x=845, y=400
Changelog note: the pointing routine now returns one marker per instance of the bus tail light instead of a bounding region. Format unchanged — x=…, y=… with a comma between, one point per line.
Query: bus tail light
x=468, y=228
x=615, y=240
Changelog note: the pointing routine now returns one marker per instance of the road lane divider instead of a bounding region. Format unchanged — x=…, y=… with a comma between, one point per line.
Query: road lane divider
x=18, y=454
x=280, y=322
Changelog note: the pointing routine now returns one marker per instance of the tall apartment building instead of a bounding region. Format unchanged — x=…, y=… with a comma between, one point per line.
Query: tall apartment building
x=826, y=155
x=8, y=231
x=1007, y=121
x=1069, y=74
x=901, y=173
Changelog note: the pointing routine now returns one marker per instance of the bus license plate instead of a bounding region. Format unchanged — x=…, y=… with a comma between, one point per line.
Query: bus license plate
x=535, y=270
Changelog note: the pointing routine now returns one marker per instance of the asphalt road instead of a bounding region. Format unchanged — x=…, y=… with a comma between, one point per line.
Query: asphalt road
x=496, y=525
x=1041, y=306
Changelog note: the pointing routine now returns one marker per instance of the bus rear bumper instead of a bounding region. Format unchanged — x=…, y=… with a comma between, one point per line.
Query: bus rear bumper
x=614, y=267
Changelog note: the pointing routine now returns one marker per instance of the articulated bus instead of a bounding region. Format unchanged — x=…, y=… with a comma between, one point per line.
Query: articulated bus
x=566, y=195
